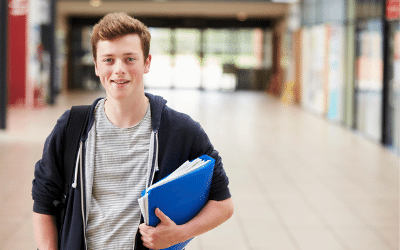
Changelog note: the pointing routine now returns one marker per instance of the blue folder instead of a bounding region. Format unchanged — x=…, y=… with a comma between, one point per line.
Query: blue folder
x=182, y=198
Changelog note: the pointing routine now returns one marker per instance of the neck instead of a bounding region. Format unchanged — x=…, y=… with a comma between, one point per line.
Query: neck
x=126, y=113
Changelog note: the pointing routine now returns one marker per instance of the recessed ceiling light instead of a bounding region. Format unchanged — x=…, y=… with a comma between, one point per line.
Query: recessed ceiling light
x=285, y=1
x=242, y=16
x=95, y=3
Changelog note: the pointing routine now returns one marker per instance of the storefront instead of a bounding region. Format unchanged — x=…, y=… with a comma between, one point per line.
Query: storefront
x=351, y=65
x=31, y=65
x=393, y=105
x=369, y=78
x=323, y=44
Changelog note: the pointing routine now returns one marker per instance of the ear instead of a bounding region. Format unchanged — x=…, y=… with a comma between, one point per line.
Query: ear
x=95, y=67
x=147, y=64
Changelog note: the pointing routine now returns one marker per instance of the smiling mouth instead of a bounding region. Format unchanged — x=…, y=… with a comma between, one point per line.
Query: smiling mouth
x=120, y=81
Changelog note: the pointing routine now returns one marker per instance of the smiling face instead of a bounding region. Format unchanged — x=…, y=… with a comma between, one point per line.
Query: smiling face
x=120, y=65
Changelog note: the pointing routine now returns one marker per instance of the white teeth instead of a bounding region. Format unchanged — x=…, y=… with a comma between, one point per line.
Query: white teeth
x=120, y=82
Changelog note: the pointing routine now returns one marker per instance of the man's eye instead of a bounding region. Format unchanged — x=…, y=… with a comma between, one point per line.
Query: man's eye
x=130, y=59
x=108, y=60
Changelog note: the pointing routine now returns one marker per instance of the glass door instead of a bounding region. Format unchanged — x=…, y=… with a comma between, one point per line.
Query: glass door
x=228, y=56
x=218, y=47
x=176, y=61
x=161, y=70
x=393, y=123
x=187, y=59
x=369, y=80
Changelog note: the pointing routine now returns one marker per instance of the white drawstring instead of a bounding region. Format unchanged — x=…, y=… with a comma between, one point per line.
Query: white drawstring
x=78, y=161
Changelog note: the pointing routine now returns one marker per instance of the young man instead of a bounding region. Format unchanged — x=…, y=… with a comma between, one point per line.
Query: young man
x=133, y=139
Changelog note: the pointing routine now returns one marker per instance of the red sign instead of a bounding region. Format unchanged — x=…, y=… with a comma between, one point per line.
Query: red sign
x=392, y=9
x=17, y=29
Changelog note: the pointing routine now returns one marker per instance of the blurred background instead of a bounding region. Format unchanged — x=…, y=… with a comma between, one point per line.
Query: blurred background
x=338, y=59
x=319, y=77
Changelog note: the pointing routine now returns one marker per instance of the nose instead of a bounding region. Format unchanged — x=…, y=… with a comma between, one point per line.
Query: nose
x=119, y=67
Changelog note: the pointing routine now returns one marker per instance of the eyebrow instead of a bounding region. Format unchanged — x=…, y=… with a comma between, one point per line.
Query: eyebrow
x=125, y=54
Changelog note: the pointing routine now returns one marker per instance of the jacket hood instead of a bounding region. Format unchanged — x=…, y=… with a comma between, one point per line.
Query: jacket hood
x=157, y=104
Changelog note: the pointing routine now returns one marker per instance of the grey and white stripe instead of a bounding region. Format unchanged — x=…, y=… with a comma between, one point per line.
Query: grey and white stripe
x=116, y=177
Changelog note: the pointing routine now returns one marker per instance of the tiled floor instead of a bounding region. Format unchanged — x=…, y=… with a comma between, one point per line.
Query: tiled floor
x=298, y=181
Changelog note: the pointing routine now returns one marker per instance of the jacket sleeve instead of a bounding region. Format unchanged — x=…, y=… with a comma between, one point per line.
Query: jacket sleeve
x=47, y=185
x=219, y=186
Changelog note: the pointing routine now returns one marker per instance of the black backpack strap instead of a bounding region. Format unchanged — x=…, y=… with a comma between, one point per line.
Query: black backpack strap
x=76, y=124
x=77, y=121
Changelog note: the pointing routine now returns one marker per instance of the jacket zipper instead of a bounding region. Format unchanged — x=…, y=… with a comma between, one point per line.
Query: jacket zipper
x=82, y=202
x=154, y=166
x=154, y=160
x=78, y=168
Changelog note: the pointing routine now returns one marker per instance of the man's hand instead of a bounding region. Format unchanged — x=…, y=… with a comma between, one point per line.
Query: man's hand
x=164, y=235
x=167, y=233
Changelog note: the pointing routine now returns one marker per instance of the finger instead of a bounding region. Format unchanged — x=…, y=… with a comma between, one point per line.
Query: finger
x=162, y=216
x=144, y=229
x=147, y=240
x=146, y=244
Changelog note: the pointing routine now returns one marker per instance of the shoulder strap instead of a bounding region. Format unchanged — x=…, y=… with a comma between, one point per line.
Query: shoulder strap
x=77, y=121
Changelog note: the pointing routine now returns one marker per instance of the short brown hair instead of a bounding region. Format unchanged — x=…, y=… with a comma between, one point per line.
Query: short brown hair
x=115, y=25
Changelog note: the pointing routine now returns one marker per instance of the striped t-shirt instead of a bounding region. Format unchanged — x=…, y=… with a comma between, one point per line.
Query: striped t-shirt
x=119, y=175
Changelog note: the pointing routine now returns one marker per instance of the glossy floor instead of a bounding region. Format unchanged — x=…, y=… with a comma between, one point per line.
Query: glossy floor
x=297, y=180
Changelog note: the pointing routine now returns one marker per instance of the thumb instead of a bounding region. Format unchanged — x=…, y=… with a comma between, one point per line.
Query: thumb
x=162, y=216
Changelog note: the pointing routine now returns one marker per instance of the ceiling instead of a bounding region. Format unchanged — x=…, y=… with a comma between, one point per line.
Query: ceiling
x=174, y=13
x=209, y=9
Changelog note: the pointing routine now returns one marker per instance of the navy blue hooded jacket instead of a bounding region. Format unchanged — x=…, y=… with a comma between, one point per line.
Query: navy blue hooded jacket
x=177, y=138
